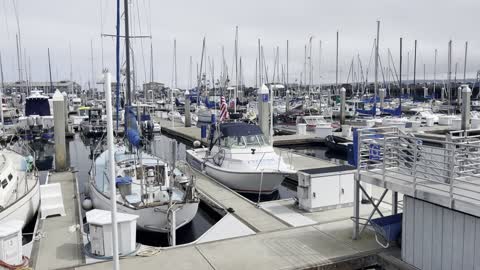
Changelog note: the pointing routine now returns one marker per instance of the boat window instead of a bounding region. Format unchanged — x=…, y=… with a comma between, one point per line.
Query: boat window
x=233, y=142
x=255, y=140
x=4, y=183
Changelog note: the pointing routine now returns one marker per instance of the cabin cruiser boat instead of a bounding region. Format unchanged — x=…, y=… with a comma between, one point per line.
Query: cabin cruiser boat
x=76, y=118
x=94, y=125
x=312, y=121
x=147, y=187
x=37, y=121
x=19, y=187
x=241, y=158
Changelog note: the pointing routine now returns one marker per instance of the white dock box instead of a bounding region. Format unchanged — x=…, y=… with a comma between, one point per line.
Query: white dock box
x=325, y=188
x=11, y=242
x=100, y=224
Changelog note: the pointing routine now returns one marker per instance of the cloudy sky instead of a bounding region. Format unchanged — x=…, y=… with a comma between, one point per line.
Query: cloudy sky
x=59, y=24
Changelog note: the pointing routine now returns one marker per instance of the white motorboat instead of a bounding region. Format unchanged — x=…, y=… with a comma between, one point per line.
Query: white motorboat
x=145, y=187
x=241, y=159
x=19, y=187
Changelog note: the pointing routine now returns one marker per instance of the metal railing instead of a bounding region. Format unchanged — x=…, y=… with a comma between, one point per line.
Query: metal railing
x=449, y=167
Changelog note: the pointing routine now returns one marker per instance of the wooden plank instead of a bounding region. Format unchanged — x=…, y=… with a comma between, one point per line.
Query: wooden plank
x=418, y=235
x=409, y=215
x=457, y=242
x=437, y=241
x=447, y=236
x=469, y=243
x=427, y=236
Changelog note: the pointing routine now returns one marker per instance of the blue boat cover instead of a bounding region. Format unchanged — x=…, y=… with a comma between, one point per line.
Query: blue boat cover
x=37, y=106
x=372, y=111
x=394, y=112
x=134, y=138
x=239, y=129
x=145, y=117
x=125, y=180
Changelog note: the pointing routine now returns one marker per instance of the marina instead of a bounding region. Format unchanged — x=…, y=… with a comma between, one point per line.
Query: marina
x=334, y=152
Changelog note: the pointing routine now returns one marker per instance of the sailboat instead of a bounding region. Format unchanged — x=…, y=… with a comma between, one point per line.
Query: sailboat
x=19, y=187
x=163, y=197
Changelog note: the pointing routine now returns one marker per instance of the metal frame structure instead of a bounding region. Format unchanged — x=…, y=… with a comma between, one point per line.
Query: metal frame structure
x=444, y=172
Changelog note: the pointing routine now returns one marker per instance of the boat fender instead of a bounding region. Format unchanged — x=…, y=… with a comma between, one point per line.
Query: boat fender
x=87, y=204
x=197, y=144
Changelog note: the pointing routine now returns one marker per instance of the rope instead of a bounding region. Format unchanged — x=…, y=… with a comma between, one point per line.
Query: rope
x=87, y=249
x=23, y=265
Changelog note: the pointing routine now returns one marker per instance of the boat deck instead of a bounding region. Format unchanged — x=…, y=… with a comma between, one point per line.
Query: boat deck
x=60, y=242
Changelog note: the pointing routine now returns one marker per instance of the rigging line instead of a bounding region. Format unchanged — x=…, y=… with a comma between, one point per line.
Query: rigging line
x=141, y=45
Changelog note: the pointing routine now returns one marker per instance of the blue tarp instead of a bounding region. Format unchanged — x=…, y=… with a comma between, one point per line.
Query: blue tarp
x=37, y=106
x=125, y=180
x=239, y=129
x=371, y=112
x=134, y=138
x=394, y=112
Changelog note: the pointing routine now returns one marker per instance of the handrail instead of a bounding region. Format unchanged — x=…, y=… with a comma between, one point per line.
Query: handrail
x=453, y=164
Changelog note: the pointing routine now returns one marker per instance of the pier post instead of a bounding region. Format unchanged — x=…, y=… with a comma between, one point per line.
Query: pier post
x=394, y=202
x=263, y=110
x=287, y=100
x=188, y=119
x=381, y=93
x=466, y=94
x=65, y=96
x=343, y=93
x=59, y=130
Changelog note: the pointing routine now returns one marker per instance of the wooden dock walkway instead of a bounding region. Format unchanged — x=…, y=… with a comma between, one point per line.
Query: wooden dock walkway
x=60, y=244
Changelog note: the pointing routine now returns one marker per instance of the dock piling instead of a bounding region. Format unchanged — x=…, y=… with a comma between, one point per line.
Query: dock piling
x=59, y=130
x=343, y=93
x=188, y=119
x=466, y=94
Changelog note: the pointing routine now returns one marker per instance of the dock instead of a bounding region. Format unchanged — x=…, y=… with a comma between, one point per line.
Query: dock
x=193, y=133
x=59, y=242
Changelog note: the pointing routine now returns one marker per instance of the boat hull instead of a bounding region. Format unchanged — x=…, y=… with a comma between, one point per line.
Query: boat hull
x=241, y=181
x=149, y=218
x=23, y=209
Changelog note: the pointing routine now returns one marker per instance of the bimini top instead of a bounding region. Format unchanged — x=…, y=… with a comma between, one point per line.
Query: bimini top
x=239, y=129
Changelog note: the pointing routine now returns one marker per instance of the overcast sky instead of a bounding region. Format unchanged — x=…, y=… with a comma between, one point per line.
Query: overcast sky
x=55, y=24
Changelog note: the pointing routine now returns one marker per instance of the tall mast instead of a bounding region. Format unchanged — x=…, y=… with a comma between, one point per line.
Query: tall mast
x=435, y=74
x=1, y=91
x=415, y=67
x=117, y=78
x=449, y=77
x=71, y=67
x=151, y=62
x=260, y=70
x=93, y=71
x=190, y=74
x=287, y=67
x=236, y=71
x=465, y=63
x=175, y=63
x=400, y=71
x=376, y=63
x=19, y=60
x=310, y=67
x=50, y=70
x=336, y=67
x=127, y=54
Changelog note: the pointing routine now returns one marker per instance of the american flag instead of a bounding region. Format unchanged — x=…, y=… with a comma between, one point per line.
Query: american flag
x=223, y=109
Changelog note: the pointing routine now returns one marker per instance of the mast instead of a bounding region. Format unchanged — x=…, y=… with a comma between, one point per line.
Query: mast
x=400, y=72
x=287, y=67
x=310, y=67
x=93, y=72
x=1, y=91
x=336, y=67
x=50, y=70
x=465, y=63
x=435, y=74
x=175, y=63
x=415, y=68
x=127, y=56
x=117, y=69
x=449, y=77
x=151, y=62
x=71, y=67
x=236, y=71
x=376, y=65
x=190, y=74
x=260, y=64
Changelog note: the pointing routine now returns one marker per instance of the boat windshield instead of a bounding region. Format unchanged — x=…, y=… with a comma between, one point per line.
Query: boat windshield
x=244, y=141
